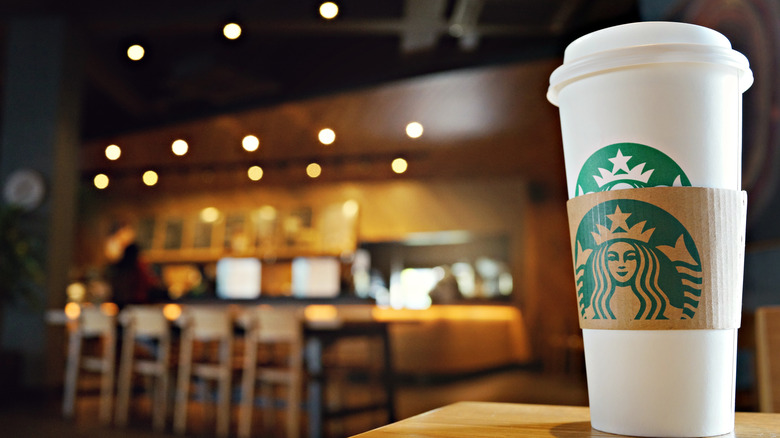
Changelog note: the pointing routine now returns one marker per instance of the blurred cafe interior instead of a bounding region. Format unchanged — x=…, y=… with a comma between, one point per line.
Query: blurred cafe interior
x=391, y=174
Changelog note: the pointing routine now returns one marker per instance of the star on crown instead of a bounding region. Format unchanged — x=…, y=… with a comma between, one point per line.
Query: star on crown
x=618, y=218
x=621, y=171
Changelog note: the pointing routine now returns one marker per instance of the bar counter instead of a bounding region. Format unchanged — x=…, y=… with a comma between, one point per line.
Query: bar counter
x=486, y=419
x=440, y=340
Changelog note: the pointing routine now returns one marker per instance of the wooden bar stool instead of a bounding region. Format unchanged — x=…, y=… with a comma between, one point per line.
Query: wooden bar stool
x=90, y=323
x=205, y=325
x=768, y=358
x=272, y=328
x=145, y=324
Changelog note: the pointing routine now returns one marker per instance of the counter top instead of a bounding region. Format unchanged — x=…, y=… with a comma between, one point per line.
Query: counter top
x=486, y=419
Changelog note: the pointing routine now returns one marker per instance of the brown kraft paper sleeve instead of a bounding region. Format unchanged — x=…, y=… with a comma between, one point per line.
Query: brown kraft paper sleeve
x=664, y=258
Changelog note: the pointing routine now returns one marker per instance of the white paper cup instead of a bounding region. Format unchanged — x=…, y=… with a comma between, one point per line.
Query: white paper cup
x=645, y=105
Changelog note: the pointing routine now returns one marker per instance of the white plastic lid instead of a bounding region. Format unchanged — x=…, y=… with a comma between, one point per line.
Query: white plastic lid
x=641, y=43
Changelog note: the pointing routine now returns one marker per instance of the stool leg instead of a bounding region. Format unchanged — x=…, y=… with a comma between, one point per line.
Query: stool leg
x=125, y=375
x=269, y=409
x=160, y=404
x=71, y=373
x=294, y=393
x=183, y=385
x=107, y=378
x=388, y=374
x=247, y=389
x=223, y=407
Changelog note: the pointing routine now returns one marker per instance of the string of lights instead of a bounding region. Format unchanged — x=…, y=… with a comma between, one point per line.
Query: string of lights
x=255, y=170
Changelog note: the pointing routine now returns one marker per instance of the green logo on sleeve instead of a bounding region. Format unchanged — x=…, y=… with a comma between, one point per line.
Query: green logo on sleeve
x=628, y=166
x=634, y=260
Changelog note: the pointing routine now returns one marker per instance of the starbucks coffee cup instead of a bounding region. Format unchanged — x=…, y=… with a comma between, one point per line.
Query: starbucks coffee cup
x=651, y=124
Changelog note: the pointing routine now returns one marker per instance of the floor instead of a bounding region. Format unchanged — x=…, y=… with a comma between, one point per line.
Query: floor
x=36, y=415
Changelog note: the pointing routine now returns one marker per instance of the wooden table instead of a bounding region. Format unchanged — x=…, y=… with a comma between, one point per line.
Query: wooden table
x=483, y=419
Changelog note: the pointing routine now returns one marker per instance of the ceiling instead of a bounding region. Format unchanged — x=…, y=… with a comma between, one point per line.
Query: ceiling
x=287, y=51
x=293, y=72
x=288, y=54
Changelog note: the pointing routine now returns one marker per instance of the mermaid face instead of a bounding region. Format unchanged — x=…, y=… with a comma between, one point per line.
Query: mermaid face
x=621, y=262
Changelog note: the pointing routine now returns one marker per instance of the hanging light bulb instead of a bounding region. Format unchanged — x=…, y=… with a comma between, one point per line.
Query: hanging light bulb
x=313, y=170
x=250, y=143
x=136, y=52
x=113, y=152
x=329, y=10
x=101, y=181
x=150, y=178
x=399, y=165
x=414, y=130
x=179, y=147
x=231, y=30
x=326, y=136
x=255, y=173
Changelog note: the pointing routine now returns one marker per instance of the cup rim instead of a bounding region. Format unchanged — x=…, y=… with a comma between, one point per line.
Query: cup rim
x=634, y=56
x=643, y=43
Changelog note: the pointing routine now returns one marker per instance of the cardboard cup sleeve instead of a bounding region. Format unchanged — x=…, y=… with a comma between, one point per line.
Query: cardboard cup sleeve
x=664, y=258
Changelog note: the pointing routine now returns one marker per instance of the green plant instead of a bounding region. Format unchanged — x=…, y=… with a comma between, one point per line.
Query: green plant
x=21, y=272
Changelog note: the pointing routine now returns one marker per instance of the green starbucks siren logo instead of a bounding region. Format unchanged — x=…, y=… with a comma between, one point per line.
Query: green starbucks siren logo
x=628, y=166
x=634, y=260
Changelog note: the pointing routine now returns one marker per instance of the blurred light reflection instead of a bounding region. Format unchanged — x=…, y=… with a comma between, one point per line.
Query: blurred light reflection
x=326, y=136
x=172, y=312
x=101, y=181
x=231, y=31
x=313, y=170
x=350, y=208
x=414, y=130
x=329, y=10
x=113, y=152
x=209, y=215
x=180, y=147
x=255, y=173
x=72, y=311
x=135, y=52
x=250, y=143
x=399, y=165
x=150, y=177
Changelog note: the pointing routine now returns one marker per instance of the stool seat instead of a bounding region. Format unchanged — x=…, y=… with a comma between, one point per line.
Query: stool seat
x=768, y=358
